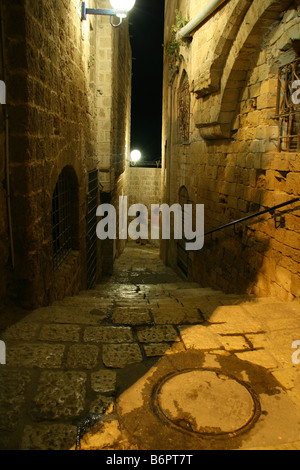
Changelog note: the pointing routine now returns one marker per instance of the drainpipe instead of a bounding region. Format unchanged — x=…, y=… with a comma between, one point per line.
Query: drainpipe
x=205, y=12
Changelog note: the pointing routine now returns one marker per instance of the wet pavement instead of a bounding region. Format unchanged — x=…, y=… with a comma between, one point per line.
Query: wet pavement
x=148, y=361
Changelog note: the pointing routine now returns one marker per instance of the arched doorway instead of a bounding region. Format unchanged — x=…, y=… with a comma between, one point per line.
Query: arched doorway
x=182, y=253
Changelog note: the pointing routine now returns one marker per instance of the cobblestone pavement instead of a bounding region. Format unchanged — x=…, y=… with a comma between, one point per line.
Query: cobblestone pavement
x=95, y=371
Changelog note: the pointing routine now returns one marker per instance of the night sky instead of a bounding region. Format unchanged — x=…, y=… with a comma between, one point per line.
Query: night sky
x=146, y=30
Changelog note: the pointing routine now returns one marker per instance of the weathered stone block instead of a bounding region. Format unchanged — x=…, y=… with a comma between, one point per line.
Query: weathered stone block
x=157, y=334
x=108, y=334
x=103, y=381
x=41, y=355
x=120, y=355
x=199, y=337
x=60, y=333
x=60, y=395
x=81, y=356
x=49, y=437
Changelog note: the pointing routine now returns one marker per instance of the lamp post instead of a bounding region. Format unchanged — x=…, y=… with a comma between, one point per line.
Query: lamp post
x=120, y=8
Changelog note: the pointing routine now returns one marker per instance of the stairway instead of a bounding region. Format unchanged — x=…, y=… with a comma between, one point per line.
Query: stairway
x=74, y=368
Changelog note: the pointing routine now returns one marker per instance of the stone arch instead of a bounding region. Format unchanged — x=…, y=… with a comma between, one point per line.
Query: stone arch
x=70, y=171
x=217, y=124
x=183, y=260
x=183, y=195
x=209, y=76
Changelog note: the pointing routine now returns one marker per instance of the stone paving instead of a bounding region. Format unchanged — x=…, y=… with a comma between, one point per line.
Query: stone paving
x=84, y=372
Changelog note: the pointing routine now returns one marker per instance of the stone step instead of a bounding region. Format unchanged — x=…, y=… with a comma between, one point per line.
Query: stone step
x=162, y=291
x=189, y=298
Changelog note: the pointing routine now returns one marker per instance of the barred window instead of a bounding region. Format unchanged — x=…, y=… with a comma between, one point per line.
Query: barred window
x=184, y=108
x=62, y=218
x=288, y=107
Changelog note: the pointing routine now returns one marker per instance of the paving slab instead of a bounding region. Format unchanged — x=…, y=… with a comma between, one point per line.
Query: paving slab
x=108, y=334
x=102, y=405
x=259, y=357
x=30, y=355
x=22, y=331
x=160, y=349
x=235, y=343
x=199, y=337
x=49, y=437
x=176, y=315
x=14, y=384
x=204, y=305
x=65, y=333
x=157, y=334
x=147, y=360
x=104, y=381
x=82, y=356
x=131, y=315
x=60, y=394
x=120, y=355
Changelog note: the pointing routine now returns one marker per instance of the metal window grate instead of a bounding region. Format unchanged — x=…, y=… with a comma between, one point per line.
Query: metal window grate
x=91, y=238
x=288, y=112
x=61, y=219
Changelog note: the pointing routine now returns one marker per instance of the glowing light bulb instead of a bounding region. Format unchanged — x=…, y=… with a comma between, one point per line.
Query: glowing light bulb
x=122, y=7
x=135, y=155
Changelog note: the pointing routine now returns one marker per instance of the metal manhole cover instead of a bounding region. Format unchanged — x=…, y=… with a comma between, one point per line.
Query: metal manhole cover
x=206, y=402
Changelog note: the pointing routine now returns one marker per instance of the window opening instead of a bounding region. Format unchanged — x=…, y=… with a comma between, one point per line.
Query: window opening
x=288, y=107
x=184, y=108
x=61, y=219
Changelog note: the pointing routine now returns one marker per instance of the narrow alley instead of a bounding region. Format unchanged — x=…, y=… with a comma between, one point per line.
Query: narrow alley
x=139, y=362
x=150, y=225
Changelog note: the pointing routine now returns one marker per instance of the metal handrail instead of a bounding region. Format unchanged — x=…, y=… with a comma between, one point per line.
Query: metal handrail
x=271, y=209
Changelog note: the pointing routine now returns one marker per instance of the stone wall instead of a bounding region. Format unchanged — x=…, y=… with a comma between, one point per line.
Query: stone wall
x=231, y=162
x=113, y=101
x=5, y=259
x=144, y=187
x=56, y=96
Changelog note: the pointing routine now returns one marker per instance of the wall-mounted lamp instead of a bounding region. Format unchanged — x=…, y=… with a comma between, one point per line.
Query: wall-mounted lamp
x=135, y=156
x=120, y=9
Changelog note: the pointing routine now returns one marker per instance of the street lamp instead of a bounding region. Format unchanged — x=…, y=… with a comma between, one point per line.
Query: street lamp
x=135, y=156
x=120, y=9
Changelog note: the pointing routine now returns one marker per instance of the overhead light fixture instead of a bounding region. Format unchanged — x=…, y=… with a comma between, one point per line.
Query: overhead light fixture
x=120, y=9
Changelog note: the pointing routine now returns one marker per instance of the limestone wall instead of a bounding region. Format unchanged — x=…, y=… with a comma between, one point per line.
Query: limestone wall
x=61, y=98
x=5, y=261
x=231, y=162
x=144, y=186
x=113, y=71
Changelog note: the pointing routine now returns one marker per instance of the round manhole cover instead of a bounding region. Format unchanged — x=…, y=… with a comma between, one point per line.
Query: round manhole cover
x=206, y=402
